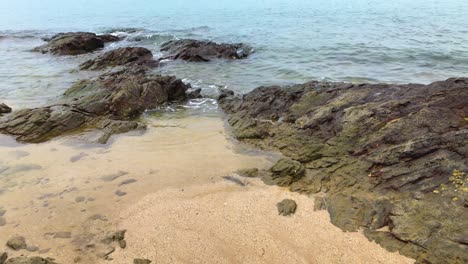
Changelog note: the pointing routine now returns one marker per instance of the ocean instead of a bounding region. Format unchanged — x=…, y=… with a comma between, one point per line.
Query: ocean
x=295, y=41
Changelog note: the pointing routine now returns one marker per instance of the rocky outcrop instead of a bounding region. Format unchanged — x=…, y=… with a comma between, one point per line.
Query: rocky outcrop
x=202, y=51
x=386, y=155
x=74, y=43
x=128, y=56
x=110, y=103
x=4, y=109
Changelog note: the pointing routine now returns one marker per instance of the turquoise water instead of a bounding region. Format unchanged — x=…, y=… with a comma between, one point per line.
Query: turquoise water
x=295, y=41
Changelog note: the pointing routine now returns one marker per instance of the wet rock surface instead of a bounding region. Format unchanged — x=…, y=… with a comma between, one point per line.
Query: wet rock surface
x=286, y=207
x=386, y=155
x=74, y=43
x=128, y=56
x=4, y=109
x=110, y=102
x=203, y=51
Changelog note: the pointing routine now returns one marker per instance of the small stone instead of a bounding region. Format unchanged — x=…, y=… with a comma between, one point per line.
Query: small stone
x=32, y=248
x=80, y=199
x=141, y=261
x=2, y=221
x=43, y=251
x=120, y=193
x=62, y=234
x=122, y=244
x=3, y=257
x=251, y=173
x=127, y=182
x=286, y=207
x=17, y=243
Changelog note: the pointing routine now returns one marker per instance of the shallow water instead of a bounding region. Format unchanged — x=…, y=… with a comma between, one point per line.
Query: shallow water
x=295, y=41
x=62, y=186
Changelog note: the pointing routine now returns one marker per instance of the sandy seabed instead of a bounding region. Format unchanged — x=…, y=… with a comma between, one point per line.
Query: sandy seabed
x=177, y=208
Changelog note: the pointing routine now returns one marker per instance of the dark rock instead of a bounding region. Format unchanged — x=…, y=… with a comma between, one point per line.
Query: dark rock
x=74, y=43
x=141, y=261
x=80, y=199
x=122, y=243
x=284, y=172
x=3, y=257
x=251, y=173
x=286, y=207
x=109, y=103
x=120, y=193
x=202, y=51
x=30, y=260
x=127, y=56
x=16, y=243
x=4, y=109
x=128, y=181
x=386, y=155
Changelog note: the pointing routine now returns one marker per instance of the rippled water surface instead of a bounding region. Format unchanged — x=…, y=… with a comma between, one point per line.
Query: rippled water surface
x=295, y=41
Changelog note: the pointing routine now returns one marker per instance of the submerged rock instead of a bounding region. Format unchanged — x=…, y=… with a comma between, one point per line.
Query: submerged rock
x=74, y=43
x=202, y=51
x=286, y=207
x=4, y=109
x=128, y=56
x=141, y=261
x=30, y=260
x=16, y=243
x=110, y=102
x=387, y=155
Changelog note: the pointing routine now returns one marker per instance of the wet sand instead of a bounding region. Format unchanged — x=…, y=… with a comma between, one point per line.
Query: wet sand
x=165, y=187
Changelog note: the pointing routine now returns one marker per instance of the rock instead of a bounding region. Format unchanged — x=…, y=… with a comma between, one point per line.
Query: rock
x=122, y=244
x=127, y=56
x=80, y=199
x=120, y=193
x=111, y=177
x=104, y=252
x=74, y=43
x=2, y=221
x=251, y=173
x=202, y=51
x=110, y=103
x=17, y=243
x=4, y=109
x=284, y=172
x=141, y=261
x=62, y=234
x=3, y=257
x=128, y=181
x=32, y=248
x=286, y=207
x=30, y=260
x=2, y=211
x=386, y=155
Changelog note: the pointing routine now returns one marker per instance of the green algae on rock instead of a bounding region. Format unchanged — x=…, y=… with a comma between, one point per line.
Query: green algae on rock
x=112, y=103
x=386, y=156
x=127, y=56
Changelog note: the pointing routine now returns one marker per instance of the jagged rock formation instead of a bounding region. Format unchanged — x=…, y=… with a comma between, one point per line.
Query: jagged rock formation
x=110, y=102
x=386, y=156
x=75, y=43
x=203, y=51
x=128, y=56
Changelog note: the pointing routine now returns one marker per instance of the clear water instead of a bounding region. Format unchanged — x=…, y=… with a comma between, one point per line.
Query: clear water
x=295, y=40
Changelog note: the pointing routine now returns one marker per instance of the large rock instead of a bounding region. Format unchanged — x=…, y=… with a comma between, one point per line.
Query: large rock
x=74, y=43
x=128, y=56
x=4, y=109
x=110, y=102
x=17, y=243
x=198, y=50
x=387, y=155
